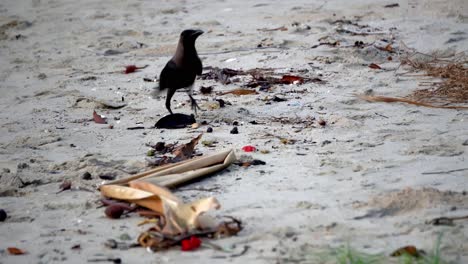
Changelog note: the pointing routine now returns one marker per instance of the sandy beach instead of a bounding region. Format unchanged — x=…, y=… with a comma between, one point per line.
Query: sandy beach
x=371, y=175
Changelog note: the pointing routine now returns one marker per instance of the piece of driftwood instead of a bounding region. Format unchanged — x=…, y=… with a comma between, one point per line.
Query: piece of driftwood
x=172, y=175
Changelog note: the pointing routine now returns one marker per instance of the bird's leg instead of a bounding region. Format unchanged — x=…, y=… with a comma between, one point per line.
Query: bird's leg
x=170, y=93
x=193, y=102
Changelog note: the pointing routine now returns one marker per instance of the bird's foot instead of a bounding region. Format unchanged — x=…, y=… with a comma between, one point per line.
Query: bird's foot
x=194, y=105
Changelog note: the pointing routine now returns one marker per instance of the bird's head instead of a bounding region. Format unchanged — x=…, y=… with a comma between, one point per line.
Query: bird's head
x=190, y=35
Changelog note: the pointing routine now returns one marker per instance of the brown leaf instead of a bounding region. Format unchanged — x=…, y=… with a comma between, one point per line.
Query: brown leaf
x=240, y=92
x=185, y=151
x=374, y=66
x=66, y=185
x=15, y=251
x=99, y=119
x=154, y=189
x=408, y=250
x=389, y=48
x=291, y=79
x=139, y=197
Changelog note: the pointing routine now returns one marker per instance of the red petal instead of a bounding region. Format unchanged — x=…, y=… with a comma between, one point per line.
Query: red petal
x=98, y=118
x=186, y=245
x=195, y=241
x=130, y=69
x=249, y=148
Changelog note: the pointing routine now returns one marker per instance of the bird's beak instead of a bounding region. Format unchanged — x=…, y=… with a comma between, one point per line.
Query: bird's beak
x=197, y=33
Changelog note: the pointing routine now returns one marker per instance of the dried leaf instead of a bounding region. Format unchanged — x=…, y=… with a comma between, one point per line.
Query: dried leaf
x=15, y=251
x=99, y=118
x=374, y=66
x=154, y=189
x=291, y=79
x=240, y=92
x=65, y=185
x=389, y=48
x=123, y=193
x=408, y=250
x=184, y=152
x=179, y=217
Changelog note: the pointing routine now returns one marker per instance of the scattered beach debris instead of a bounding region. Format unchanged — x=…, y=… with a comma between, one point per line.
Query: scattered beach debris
x=99, y=119
x=450, y=88
x=178, y=223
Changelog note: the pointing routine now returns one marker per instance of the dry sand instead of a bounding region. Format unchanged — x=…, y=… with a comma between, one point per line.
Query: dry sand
x=370, y=161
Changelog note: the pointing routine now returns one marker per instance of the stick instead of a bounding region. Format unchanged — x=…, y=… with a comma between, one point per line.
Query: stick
x=444, y=172
x=386, y=99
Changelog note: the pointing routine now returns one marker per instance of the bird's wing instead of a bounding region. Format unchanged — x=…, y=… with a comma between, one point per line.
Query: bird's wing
x=199, y=67
x=166, y=75
x=175, y=77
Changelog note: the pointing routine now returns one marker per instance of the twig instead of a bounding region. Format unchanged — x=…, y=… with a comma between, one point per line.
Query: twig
x=444, y=172
x=445, y=220
x=199, y=189
x=386, y=99
x=381, y=115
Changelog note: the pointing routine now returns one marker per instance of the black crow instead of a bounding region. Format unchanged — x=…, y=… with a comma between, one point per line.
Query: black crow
x=181, y=70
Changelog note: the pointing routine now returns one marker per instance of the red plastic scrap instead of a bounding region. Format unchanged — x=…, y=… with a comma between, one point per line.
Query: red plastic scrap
x=191, y=244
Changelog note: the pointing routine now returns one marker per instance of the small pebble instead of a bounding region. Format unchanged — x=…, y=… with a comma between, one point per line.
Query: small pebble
x=107, y=177
x=3, y=215
x=322, y=122
x=234, y=131
x=86, y=176
x=114, y=211
x=22, y=165
x=235, y=123
x=209, y=130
